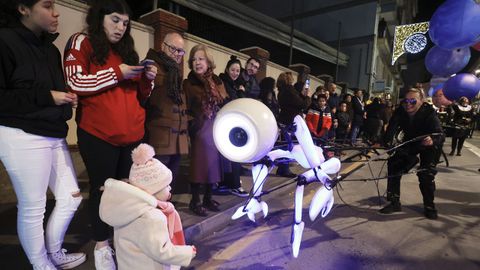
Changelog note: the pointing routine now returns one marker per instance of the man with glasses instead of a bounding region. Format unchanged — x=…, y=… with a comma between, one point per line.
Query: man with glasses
x=415, y=118
x=252, y=88
x=166, y=122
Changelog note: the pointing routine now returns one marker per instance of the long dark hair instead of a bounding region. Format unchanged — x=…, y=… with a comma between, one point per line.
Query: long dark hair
x=267, y=86
x=9, y=11
x=125, y=47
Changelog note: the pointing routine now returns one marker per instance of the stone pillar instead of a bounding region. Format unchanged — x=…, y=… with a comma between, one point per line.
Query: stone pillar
x=326, y=78
x=343, y=86
x=302, y=70
x=163, y=22
x=260, y=54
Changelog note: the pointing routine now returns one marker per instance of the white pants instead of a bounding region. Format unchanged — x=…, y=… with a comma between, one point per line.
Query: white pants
x=34, y=163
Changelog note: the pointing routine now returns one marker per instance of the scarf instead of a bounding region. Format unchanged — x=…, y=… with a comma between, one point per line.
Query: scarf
x=174, y=223
x=213, y=98
x=174, y=79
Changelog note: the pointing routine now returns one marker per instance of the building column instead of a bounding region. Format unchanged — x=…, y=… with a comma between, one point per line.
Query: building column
x=302, y=70
x=326, y=78
x=163, y=22
x=262, y=55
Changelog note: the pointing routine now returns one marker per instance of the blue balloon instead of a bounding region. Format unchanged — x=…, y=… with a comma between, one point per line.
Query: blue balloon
x=456, y=24
x=461, y=85
x=444, y=63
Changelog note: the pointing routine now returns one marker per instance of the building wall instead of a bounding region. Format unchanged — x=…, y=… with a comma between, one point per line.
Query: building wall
x=357, y=32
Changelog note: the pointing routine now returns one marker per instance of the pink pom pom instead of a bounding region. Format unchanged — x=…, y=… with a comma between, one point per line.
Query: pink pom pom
x=142, y=154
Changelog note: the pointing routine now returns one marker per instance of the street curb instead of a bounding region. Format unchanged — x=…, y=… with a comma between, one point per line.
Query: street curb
x=219, y=221
x=210, y=225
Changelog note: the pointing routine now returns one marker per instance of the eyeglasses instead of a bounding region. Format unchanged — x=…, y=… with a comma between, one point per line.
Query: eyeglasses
x=174, y=49
x=253, y=65
x=411, y=101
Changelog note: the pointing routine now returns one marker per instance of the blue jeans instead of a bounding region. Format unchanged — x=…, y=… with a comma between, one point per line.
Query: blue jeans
x=354, y=133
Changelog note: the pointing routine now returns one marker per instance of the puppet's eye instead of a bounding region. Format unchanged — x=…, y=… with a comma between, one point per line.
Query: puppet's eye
x=245, y=130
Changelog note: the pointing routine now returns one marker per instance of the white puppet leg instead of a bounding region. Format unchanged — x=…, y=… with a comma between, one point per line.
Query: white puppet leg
x=322, y=202
x=259, y=174
x=254, y=205
x=297, y=230
x=306, y=142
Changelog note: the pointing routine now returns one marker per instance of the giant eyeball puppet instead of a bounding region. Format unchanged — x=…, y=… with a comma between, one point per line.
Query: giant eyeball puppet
x=245, y=130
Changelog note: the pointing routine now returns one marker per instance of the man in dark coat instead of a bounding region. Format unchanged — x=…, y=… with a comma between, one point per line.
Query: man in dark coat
x=248, y=75
x=358, y=115
x=415, y=118
x=166, y=122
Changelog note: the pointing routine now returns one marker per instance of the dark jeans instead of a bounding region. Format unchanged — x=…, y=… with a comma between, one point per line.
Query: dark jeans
x=232, y=179
x=354, y=133
x=173, y=163
x=102, y=161
x=457, y=143
x=404, y=160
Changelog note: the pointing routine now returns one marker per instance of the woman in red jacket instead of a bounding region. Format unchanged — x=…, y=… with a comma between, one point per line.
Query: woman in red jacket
x=101, y=67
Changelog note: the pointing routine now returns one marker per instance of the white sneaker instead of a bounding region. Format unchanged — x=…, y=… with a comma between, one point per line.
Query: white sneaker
x=47, y=266
x=64, y=260
x=104, y=258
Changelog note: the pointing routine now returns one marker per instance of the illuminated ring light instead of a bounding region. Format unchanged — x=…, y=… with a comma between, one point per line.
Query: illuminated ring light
x=245, y=130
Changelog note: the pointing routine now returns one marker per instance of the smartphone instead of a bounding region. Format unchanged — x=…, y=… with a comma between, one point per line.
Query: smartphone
x=146, y=62
x=307, y=83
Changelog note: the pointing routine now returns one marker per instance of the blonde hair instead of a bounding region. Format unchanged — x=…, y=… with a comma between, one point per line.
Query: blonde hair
x=418, y=91
x=285, y=78
x=201, y=47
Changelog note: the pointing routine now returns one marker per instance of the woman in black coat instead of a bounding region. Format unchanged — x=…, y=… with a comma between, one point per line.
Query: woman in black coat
x=461, y=119
x=235, y=87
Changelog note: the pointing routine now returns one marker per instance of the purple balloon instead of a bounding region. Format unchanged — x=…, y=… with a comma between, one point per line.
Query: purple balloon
x=456, y=24
x=444, y=63
x=461, y=85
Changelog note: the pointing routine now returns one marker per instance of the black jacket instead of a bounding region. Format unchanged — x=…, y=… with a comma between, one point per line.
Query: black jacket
x=292, y=103
x=358, y=111
x=29, y=68
x=232, y=87
x=425, y=121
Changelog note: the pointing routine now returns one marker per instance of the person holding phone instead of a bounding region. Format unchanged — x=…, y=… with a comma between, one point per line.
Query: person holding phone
x=166, y=124
x=307, y=85
x=101, y=67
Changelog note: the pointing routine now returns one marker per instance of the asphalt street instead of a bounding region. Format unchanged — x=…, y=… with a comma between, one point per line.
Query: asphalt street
x=352, y=236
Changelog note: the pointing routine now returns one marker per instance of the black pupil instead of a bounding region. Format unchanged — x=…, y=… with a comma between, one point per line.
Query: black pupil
x=238, y=136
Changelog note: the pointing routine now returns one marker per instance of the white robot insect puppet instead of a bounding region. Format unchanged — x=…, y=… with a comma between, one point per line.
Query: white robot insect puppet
x=245, y=131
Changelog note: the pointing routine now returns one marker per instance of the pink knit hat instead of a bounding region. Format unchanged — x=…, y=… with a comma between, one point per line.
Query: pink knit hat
x=147, y=172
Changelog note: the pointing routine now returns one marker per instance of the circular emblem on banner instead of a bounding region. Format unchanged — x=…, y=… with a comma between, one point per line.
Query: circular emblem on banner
x=415, y=43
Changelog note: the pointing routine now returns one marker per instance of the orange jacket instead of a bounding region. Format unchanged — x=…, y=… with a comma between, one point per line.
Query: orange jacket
x=319, y=122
